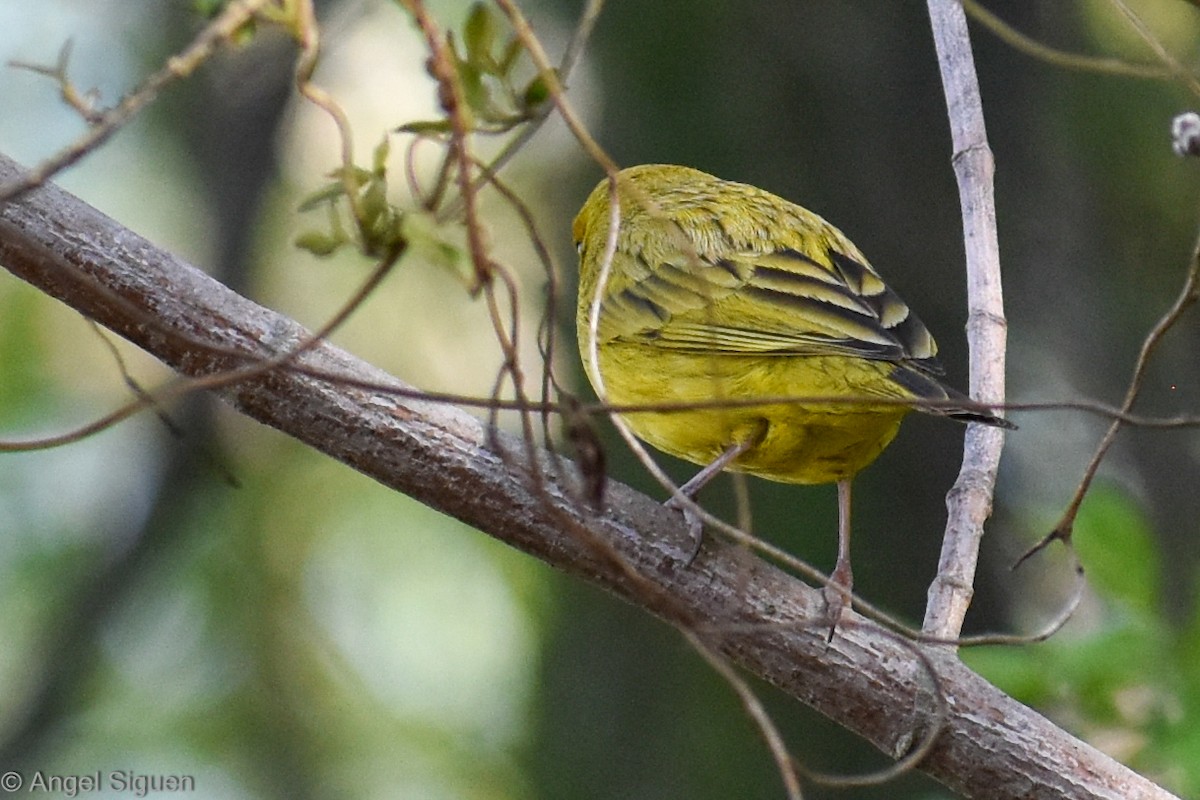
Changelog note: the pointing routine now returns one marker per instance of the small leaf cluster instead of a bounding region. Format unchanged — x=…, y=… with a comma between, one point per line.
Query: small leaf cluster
x=376, y=223
x=375, y=227
x=488, y=65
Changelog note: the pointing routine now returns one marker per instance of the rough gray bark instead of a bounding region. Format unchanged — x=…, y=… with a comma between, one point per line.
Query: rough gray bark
x=760, y=617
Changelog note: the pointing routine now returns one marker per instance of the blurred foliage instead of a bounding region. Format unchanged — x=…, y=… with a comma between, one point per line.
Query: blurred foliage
x=311, y=634
x=378, y=226
x=1119, y=675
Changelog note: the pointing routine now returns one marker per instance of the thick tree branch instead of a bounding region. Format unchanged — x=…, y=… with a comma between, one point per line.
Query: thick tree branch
x=758, y=616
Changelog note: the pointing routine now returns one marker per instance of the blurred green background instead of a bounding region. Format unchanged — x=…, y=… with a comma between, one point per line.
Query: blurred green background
x=225, y=604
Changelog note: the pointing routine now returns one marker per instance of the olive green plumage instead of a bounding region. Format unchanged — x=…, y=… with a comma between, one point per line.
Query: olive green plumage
x=723, y=290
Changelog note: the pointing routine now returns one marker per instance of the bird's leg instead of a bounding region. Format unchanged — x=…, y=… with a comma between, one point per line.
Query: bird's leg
x=837, y=590
x=688, y=490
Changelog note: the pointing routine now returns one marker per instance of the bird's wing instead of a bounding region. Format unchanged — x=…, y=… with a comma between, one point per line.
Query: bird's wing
x=798, y=305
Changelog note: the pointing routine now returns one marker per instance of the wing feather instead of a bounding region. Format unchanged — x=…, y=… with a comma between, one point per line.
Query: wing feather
x=800, y=305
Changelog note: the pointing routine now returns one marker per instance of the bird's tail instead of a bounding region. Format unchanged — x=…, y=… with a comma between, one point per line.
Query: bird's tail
x=946, y=400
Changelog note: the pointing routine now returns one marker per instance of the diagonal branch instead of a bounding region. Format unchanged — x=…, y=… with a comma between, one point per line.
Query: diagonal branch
x=756, y=615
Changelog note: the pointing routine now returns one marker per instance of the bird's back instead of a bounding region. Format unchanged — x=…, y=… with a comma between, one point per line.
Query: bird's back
x=720, y=290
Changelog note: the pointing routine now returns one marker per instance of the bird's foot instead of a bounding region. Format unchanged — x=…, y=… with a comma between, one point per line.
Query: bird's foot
x=691, y=518
x=838, y=599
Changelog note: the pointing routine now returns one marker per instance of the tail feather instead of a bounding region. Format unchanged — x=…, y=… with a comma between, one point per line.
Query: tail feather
x=927, y=387
x=984, y=417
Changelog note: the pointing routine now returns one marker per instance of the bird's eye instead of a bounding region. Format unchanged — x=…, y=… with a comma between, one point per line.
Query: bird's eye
x=579, y=248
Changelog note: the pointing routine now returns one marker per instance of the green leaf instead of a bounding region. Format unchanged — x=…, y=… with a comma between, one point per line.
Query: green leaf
x=325, y=195
x=319, y=243
x=427, y=241
x=536, y=93
x=358, y=176
x=374, y=200
x=208, y=8
x=512, y=50
x=476, y=92
x=380, y=156
x=426, y=128
x=1114, y=543
x=378, y=227
x=479, y=36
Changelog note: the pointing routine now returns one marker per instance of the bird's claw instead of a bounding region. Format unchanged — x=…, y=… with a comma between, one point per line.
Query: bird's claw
x=837, y=600
x=695, y=525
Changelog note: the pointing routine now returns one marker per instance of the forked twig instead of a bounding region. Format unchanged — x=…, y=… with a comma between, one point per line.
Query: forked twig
x=1187, y=297
x=102, y=125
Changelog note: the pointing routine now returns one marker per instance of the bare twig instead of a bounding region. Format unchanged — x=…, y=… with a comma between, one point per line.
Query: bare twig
x=1074, y=61
x=84, y=103
x=580, y=37
x=970, y=500
x=754, y=707
x=104, y=124
x=450, y=96
x=1174, y=68
x=566, y=407
x=1188, y=295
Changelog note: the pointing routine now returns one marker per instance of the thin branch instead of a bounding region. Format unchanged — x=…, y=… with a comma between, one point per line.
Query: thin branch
x=104, y=124
x=969, y=502
x=450, y=94
x=83, y=103
x=1175, y=69
x=1073, y=61
x=580, y=37
x=754, y=707
x=567, y=407
x=1188, y=295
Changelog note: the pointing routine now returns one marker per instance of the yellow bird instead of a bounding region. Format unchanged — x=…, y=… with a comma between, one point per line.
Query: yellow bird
x=722, y=291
